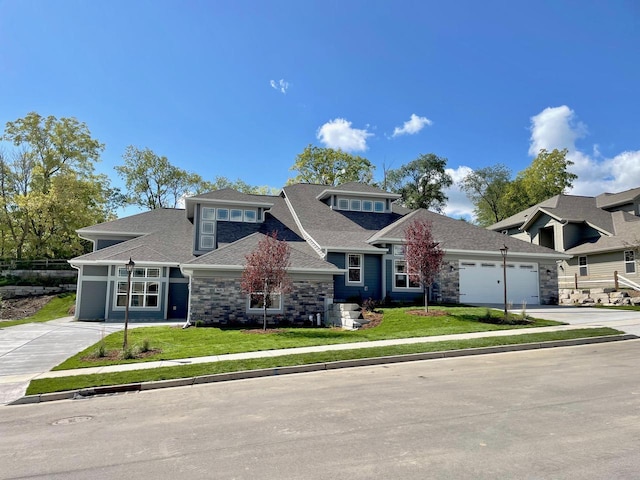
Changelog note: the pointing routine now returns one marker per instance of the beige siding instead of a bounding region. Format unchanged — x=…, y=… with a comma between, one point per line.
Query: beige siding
x=600, y=271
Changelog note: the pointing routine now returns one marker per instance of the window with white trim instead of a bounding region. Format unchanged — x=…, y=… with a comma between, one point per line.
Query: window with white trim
x=343, y=204
x=223, y=214
x=629, y=261
x=354, y=268
x=250, y=216
x=207, y=228
x=236, y=215
x=145, y=288
x=401, y=277
x=378, y=207
x=256, y=302
x=367, y=206
x=582, y=266
x=356, y=205
x=398, y=250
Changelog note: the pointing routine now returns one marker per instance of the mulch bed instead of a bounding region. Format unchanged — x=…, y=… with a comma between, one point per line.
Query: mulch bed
x=117, y=355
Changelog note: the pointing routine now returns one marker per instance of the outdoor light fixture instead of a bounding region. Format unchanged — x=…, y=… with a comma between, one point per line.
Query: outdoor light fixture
x=503, y=251
x=129, y=266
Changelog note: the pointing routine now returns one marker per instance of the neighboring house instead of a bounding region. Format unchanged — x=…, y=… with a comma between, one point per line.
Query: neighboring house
x=346, y=244
x=602, y=235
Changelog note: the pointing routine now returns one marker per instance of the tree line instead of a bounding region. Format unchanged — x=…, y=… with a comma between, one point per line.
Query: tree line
x=49, y=188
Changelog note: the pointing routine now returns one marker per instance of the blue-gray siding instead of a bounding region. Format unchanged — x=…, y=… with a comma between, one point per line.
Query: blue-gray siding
x=372, y=275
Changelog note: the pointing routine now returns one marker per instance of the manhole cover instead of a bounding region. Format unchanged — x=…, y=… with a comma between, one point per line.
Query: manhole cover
x=72, y=420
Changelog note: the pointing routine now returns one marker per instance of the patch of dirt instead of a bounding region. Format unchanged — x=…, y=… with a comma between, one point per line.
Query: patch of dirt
x=117, y=355
x=23, y=307
x=430, y=313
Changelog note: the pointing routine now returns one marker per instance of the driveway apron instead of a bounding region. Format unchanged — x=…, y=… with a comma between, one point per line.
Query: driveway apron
x=32, y=348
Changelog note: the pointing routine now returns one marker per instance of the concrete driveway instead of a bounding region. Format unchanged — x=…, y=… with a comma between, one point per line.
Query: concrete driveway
x=28, y=350
x=623, y=320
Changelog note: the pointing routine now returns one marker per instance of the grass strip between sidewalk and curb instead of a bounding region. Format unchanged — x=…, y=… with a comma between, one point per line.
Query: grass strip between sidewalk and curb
x=78, y=382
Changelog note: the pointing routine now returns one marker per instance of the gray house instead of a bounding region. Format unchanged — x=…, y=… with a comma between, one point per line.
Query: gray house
x=601, y=234
x=346, y=245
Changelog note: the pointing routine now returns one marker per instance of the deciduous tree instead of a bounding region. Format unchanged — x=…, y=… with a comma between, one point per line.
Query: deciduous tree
x=422, y=254
x=422, y=182
x=485, y=187
x=48, y=188
x=327, y=166
x=265, y=272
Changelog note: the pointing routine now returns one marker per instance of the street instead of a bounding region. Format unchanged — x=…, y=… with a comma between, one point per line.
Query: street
x=569, y=413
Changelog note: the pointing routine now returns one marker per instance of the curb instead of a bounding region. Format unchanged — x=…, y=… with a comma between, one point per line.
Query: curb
x=313, y=367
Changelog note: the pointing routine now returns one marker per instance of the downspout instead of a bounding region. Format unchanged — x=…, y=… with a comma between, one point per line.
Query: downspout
x=187, y=323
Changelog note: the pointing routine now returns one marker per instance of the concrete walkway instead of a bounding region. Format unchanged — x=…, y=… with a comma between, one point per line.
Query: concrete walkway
x=30, y=351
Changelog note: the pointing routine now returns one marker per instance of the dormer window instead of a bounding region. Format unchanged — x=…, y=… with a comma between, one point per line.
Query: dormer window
x=250, y=216
x=360, y=205
x=236, y=215
x=223, y=214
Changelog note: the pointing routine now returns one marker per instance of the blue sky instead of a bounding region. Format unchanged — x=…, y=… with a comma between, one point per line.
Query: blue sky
x=239, y=88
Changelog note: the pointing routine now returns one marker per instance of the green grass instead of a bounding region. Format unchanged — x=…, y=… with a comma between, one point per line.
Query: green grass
x=58, y=307
x=47, y=385
x=198, y=342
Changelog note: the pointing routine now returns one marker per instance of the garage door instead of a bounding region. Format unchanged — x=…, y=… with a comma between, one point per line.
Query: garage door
x=482, y=282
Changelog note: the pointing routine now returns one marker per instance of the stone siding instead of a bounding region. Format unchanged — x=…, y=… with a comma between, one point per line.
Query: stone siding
x=449, y=282
x=221, y=301
x=548, y=278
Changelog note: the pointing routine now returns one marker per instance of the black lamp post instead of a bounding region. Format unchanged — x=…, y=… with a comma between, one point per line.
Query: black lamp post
x=129, y=266
x=503, y=252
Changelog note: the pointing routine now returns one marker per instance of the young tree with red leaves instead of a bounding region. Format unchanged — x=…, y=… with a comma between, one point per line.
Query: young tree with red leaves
x=265, y=273
x=423, y=255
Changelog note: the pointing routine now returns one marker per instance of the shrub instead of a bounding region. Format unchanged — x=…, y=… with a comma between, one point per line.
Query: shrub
x=369, y=305
x=146, y=346
x=128, y=354
x=101, y=351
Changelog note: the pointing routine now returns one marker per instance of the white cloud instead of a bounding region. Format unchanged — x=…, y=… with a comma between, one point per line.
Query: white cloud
x=282, y=86
x=458, y=205
x=555, y=127
x=558, y=127
x=412, y=126
x=339, y=134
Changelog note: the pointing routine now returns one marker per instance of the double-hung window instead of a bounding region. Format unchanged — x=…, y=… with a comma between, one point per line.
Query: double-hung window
x=630, y=261
x=582, y=266
x=145, y=288
x=401, y=277
x=354, y=268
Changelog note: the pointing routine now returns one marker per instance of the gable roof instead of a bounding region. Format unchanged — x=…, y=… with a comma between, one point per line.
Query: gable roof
x=563, y=208
x=165, y=236
x=328, y=229
x=626, y=228
x=229, y=196
x=459, y=236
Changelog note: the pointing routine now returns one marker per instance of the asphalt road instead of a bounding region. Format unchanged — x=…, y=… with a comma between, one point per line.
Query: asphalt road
x=566, y=413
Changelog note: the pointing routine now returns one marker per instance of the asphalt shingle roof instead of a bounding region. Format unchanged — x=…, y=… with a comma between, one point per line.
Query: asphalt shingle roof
x=458, y=235
x=166, y=236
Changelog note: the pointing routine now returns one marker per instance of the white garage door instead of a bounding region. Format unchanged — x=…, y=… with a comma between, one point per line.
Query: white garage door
x=482, y=282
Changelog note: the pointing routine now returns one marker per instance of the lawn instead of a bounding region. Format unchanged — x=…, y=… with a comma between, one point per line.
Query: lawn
x=47, y=385
x=58, y=307
x=177, y=343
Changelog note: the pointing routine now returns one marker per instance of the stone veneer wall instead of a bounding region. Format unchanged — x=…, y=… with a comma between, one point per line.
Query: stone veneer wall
x=220, y=301
x=548, y=278
x=449, y=282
